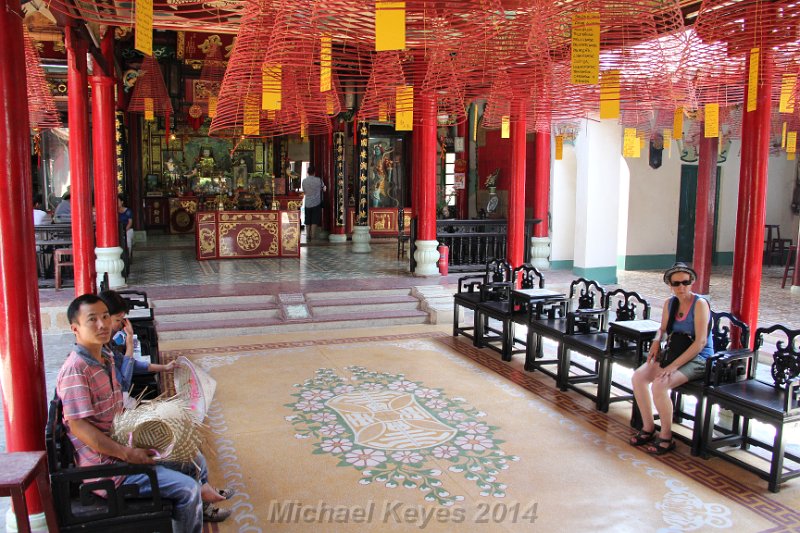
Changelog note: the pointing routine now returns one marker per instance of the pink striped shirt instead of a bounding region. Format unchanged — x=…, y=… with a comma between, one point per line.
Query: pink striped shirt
x=89, y=391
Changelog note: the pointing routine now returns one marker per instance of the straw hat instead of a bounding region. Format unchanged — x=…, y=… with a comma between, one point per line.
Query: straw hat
x=195, y=386
x=166, y=426
x=679, y=267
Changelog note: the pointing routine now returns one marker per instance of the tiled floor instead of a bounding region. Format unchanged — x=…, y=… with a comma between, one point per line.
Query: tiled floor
x=165, y=267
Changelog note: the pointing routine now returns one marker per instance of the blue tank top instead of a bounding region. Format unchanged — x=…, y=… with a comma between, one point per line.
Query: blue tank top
x=686, y=325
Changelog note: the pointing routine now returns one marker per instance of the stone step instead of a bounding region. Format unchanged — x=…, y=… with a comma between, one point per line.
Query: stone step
x=251, y=299
x=371, y=293
x=165, y=309
x=210, y=316
x=358, y=307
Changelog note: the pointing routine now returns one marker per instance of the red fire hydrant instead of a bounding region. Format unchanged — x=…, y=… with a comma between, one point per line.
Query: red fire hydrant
x=444, y=252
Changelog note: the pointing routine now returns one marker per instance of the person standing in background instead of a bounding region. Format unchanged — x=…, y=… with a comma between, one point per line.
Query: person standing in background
x=126, y=218
x=313, y=187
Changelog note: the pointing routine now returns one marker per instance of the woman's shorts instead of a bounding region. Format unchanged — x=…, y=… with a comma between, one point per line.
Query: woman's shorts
x=694, y=369
x=314, y=215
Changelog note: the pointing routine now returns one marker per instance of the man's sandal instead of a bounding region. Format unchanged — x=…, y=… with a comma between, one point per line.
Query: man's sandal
x=642, y=437
x=212, y=513
x=656, y=447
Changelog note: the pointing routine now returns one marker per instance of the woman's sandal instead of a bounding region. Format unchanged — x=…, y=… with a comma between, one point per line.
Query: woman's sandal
x=642, y=437
x=656, y=447
x=212, y=513
x=227, y=493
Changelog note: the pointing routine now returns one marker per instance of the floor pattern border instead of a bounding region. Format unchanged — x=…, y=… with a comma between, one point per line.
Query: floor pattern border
x=697, y=469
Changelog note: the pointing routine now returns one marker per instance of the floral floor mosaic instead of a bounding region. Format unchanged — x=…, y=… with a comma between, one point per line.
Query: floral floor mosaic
x=409, y=429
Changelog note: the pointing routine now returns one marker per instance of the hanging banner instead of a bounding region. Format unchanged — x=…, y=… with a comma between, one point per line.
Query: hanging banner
x=404, y=108
x=251, y=113
x=711, y=120
x=338, y=171
x=505, y=127
x=143, y=38
x=212, y=106
x=271, y=87
x=630, y=144
x=325, y=64
x=148, y=109
x=788, y=83
x=390, y=26
x=609, y=94
x=363, y=166
x=752, y=80
x=677, y=124
x=559, y=147
x=585, y=47
x=791, y=142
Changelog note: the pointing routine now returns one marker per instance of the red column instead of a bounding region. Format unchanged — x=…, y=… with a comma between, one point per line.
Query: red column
x=704, y=215
x=426, y=194
x=80, y=189
x=796, y=274
x=461, y=194
x=748, y=252
x=105, y=186
x=21, y=359
x=541, y=191
x=515, y=249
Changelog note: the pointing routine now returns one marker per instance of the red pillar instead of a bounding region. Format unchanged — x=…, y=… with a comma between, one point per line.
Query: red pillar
x=541, y=191
x=748, y=252
x=21, y=357
x=704, y=214
x=796, y=275
x=80, y=189
x=105, y=186
x=426, y=159
x=515, y=249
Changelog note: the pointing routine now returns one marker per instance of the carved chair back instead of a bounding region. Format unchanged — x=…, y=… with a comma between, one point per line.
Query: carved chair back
x=786, y=358
x=529, y=277
x=722, y=326
x=629, y=305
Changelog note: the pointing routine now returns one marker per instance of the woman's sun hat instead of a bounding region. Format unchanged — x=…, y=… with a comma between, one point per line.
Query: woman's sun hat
x=679, y=267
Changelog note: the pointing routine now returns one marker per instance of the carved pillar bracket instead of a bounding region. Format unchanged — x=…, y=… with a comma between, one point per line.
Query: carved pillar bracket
x=110, y=260
x=540, y=252
x=361, y=238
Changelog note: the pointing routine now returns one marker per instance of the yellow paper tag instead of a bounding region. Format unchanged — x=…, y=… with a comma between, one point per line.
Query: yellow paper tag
x=505, y=127
x=677, y=124
x=404, y=108
x=325, y=64
x=390, y=25
x=609, y=94
x=667, y=135
x=271, y=114
x=382, y=112
x=752, y=81
x=212, y=106
x=711, y=119
x=559, y=147
x=251, y=113
x=783, y=135
x=790, y=156
x=329, y=107
x=474, y=125
x=630, y=143
x=788, y=84
x=791, y=142
x=271, y=87
x=148, y=109
x=585, y=48
x=143, y=39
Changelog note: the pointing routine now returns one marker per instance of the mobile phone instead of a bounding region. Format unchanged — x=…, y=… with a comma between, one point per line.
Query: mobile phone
x=119, y=338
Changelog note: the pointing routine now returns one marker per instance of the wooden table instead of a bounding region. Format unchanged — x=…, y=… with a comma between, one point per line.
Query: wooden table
x=44, y=254
x=17, y=471
x=642, y=333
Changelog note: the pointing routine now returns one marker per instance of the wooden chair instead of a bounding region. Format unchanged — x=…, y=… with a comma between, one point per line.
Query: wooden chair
x=468, y=296
x=718, y=371
x=78, y=508
x=776, y=404
x=402, y=236
x=587, y=334
x=774, y=245
x=549, y=320
x=62, y=257
x=789, y=266
x=502, y=309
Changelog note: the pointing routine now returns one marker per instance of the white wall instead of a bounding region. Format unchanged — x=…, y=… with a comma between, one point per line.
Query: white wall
x=562, y=205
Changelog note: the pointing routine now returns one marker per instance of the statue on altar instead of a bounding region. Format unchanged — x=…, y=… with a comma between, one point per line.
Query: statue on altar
x=240, y=174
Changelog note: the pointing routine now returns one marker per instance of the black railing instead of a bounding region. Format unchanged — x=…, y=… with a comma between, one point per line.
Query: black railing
x=473, y=243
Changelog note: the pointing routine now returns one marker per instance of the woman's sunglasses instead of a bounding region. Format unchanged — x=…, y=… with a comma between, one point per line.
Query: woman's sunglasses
x=686, y=282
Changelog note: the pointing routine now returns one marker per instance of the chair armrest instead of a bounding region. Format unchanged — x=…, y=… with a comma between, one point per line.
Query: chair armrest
x=792, y=396
x=585, y=321
x=729, y=366
x=470, y=282
x=496, y=291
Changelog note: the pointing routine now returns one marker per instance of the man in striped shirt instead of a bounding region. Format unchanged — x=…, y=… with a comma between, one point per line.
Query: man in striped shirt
x=91, y=396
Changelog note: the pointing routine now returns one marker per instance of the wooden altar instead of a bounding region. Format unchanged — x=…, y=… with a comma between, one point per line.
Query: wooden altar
x=247, y=234
x=382, y=221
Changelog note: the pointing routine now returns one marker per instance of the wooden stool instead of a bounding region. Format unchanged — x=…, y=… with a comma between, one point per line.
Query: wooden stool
x=59, y=261
x=790, y=266
x=17, y=471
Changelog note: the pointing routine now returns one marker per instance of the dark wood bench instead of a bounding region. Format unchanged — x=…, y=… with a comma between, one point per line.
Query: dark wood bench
x=78, y=508
x=588, y=335
x=549, y=320
x=776, y=404
x=497, y=272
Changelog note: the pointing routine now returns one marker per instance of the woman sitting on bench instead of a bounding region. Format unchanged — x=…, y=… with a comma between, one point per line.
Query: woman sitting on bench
x=686, y=322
